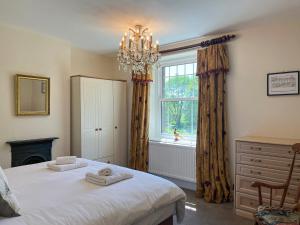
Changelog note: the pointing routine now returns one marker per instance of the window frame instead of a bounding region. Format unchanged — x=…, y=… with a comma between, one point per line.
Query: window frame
x=172, y=60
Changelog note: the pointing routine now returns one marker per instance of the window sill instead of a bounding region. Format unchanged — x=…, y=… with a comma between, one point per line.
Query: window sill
x=190, y=144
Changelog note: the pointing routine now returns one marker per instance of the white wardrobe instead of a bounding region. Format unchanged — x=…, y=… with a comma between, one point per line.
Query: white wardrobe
x=99, y=120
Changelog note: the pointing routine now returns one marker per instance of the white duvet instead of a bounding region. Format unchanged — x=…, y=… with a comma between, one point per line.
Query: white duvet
x=65, y=198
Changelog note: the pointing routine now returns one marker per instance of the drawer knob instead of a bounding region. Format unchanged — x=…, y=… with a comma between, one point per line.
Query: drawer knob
x=254, y=172
x=256, y=148
x=255, y=160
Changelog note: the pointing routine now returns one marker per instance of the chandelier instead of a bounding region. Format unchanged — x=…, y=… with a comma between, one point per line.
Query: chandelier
x=137, y=50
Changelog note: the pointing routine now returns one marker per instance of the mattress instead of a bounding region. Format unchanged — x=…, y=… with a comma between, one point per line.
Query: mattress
x=66, y=198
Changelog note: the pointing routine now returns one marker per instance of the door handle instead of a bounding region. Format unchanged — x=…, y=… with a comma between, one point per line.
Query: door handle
x=96, y=129
x=100, y=129
x=116, y=127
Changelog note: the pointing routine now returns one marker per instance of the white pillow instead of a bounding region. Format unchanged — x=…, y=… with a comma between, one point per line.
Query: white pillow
x=9, y=206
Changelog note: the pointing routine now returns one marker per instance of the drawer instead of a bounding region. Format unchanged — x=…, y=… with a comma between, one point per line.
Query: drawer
x=270, y=162
x=243, y=185
x=265, y=149
x=267, y=174
x=250, y=202
x=109, y=159
x=246, y=202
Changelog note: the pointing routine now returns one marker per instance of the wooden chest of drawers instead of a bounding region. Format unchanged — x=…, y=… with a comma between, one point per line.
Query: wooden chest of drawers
x=267, y=160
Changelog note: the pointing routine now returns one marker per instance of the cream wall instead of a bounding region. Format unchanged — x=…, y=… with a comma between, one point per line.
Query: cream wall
x=27, y=52
x=88, y=63
x=268, y=46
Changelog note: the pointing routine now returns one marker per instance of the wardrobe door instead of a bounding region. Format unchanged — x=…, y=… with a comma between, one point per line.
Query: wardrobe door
x=89, y=119
x=120, y=123
x=106, y=119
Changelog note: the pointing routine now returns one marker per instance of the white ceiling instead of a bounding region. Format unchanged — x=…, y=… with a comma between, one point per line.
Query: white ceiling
x=98, y=25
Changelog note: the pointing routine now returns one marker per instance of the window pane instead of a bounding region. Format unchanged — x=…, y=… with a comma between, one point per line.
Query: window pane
x=165, y=86
x=195, y=117
x=165, y=125
x=196, y=86
x=177, y=83
x=166, y=71
x=189, y=68
x=181, y=115
x=185, y=86
x=179, y=86
x=180, y=69
x=173, y=70
x=172, y=83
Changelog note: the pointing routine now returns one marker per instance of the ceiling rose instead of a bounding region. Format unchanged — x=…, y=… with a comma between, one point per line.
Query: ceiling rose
x=137, y=50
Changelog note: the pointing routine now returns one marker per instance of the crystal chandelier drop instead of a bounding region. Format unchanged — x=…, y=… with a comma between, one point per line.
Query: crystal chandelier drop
x=137, y=50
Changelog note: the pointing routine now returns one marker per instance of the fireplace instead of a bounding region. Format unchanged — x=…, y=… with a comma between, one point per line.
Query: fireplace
x=25, y=152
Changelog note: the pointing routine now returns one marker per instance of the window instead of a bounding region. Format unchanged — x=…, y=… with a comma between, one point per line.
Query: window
x=177, y=99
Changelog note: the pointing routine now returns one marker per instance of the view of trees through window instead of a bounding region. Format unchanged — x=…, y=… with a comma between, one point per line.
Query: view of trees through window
x=179, y=102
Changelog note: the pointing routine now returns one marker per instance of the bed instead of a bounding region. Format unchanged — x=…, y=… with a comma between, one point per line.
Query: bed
x=65, y=198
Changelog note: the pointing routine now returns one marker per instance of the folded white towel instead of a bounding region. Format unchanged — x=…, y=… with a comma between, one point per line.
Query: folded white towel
x=65, y=160
x=107, y=180
x=60, y=168
x=105, y=172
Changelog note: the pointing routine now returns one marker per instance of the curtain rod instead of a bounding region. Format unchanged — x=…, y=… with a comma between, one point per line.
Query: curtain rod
x=203, y=44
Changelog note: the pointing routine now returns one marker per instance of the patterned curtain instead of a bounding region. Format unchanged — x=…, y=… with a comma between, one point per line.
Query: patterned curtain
x=212, y=146
x=140, y=121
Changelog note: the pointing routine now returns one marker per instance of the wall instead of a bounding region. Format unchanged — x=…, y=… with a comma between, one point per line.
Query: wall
x=26, y=52
x=87, y=63
x=268, y=46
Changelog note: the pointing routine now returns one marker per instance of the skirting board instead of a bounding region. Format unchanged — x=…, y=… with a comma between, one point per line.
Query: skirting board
x=183, y=184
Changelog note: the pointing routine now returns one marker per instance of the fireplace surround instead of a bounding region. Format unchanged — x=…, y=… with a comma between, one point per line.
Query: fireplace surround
x=25, y=152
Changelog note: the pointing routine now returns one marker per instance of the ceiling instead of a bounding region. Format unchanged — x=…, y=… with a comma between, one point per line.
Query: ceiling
x=98, y=25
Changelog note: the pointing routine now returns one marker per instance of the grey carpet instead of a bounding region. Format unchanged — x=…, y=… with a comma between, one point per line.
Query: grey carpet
x=198, y=212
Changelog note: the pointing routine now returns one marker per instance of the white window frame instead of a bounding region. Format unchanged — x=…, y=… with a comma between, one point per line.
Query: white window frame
x=171, y=60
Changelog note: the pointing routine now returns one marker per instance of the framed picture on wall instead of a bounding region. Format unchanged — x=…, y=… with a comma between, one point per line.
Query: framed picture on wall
x=284, y=83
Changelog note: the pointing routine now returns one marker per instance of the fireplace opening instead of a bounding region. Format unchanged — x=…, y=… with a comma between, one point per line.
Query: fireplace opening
x=33, y=160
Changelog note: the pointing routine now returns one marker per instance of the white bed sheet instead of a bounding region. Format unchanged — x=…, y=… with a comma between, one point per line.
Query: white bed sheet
x=65, y=198
x=158, y=215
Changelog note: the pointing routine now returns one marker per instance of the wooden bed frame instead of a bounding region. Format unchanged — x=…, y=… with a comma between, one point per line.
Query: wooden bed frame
x=168, y=221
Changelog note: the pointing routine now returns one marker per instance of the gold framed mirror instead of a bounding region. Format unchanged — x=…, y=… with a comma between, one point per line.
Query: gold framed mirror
x=32, y=95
